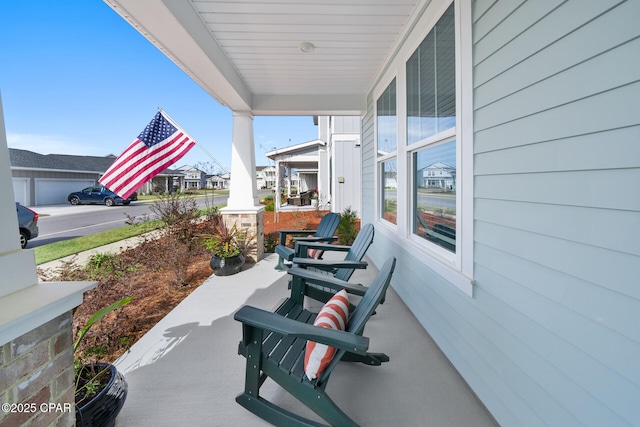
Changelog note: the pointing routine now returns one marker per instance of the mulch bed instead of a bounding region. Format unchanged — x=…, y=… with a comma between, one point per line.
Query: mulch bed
x=154, y=290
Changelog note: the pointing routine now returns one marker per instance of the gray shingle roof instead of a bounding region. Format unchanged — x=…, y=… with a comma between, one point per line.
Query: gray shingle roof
x=31, y=160
x=67, y=162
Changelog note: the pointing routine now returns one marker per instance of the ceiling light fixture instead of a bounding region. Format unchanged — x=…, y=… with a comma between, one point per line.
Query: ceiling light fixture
x=306, y=47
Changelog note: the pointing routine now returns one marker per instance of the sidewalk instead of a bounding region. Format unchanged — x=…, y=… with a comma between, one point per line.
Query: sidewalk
x=82, y=257
x=64, y=209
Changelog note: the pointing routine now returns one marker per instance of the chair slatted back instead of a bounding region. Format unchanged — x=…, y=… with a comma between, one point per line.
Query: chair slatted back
x=328, y=225
x=358, y=249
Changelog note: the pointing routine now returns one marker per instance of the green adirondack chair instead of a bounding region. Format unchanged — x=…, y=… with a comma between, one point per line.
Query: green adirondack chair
x=274, y=345
x=324, y=233
x=340, y=269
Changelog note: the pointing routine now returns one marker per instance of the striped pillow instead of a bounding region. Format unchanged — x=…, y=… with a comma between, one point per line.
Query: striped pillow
x=314, y=253
x=334, y=315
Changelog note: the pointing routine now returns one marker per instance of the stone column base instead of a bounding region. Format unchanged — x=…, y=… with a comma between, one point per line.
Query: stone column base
x=37, y=371
x=253, y=221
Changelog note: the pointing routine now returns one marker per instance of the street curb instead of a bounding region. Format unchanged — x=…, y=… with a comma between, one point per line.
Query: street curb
x=81, y=258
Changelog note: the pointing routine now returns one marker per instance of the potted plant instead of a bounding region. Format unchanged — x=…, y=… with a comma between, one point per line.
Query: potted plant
x=100, y=390
x=229, y=246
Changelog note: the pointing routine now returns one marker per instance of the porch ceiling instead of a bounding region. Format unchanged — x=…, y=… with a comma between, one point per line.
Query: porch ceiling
x=246, y=53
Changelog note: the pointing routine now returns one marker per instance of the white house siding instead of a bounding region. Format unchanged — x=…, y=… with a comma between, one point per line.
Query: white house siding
x=368, y=165
x=21, y=192
x=551, y=334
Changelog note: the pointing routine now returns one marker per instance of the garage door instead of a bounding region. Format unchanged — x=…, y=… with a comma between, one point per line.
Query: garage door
x=51, y=191
x=21, y=191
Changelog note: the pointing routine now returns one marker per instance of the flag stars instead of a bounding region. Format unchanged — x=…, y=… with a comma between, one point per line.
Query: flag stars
x=156, y=131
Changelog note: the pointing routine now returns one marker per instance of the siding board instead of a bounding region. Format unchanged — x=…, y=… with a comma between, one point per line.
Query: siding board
x=606, y=189
x=575, y=385
x=515, y=24
x=615, y=353
x=614, y=149
x=368, y=165
x=557, y=158
x=480, y=7
x=609, y=269
x=577, y=83
x=545, y=35
x=538, y=64
x=603, y=306
x=615, y=109
x=595, y=227
x=493, y=17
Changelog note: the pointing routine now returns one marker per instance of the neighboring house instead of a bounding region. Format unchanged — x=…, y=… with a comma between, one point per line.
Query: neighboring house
x=265, y=177
x=40, y=179
x=329, y=164
x=166, y=181
x=537, y=304
x=218, y=182
x=345, y=162
x=291, y=184
x=301, y=167
x=48, y=179
x=194, y=178
x=437, y=176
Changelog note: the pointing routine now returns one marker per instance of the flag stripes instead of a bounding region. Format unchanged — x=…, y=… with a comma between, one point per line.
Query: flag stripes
x=141, y=161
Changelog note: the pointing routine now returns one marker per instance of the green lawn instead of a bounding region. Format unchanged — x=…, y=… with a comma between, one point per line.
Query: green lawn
x=64, y=248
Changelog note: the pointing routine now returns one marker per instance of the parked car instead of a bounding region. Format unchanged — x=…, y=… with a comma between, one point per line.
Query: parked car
x=27, y=224
x=99, y=195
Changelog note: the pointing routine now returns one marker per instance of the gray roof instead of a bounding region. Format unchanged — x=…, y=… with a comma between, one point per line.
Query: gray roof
x=67, y=162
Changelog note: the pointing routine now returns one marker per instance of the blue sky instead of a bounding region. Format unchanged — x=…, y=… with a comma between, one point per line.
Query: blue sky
x=75, y=78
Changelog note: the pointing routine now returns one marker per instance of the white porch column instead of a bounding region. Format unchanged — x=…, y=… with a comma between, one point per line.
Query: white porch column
x=35, y=322
x=244, y=191
x=243, y=207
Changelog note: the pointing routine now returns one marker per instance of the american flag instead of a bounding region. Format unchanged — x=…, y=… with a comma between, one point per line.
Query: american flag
x=161, y=144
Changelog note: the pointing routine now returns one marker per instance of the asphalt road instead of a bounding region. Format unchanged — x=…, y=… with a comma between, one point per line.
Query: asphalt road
x=63, y=222
x=439, y=200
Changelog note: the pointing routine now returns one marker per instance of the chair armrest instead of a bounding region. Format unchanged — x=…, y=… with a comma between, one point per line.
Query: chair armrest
x=296, y=231
x=307, y=244
x=313, y=239
x=266, y=320
x=327, y=281
x=285, y=233
x=328, y=265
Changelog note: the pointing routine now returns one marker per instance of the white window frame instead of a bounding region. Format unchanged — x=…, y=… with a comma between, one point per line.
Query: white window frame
x=379, y=160
x=455, y=268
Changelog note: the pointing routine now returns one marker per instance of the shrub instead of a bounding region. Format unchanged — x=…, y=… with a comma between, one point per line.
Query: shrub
x=108, y=266
x=270, y=242
x=178, y=242
x=178, y=213
x=348, y=227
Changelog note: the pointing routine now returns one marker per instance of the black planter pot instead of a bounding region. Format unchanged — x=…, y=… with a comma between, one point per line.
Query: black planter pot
x=226, y=266
x=101, y=411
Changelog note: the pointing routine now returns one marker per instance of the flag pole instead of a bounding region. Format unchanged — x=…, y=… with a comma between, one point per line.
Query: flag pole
x=173, y=122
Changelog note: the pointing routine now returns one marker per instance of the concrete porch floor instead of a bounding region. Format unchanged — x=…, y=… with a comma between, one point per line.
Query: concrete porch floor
x=186, y=370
